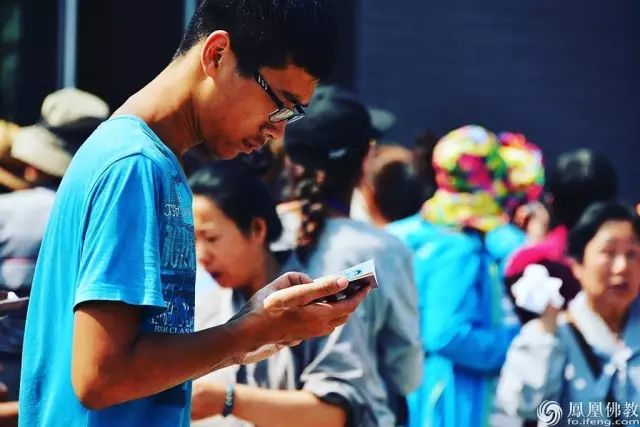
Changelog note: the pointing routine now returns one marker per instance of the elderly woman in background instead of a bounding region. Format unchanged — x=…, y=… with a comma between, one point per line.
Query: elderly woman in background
x=573, y=182
x=586, y=359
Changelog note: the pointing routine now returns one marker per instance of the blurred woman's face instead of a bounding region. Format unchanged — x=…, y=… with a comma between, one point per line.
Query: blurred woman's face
x=231, y=257
x=610, y=269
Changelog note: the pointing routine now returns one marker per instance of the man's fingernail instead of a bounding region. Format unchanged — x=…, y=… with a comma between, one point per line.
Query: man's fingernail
x=343, y=282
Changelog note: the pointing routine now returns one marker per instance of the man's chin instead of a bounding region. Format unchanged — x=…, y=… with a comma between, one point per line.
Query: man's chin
x=221, y=153
x=227, y=156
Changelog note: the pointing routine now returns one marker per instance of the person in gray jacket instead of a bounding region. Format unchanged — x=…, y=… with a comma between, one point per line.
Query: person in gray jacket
x=326, y=155
x=581, y=365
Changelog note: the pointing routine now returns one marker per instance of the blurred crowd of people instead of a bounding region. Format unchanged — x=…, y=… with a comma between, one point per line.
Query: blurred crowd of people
x=504, y=282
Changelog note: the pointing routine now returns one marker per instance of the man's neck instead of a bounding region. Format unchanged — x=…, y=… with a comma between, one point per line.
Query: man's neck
x=165, y=104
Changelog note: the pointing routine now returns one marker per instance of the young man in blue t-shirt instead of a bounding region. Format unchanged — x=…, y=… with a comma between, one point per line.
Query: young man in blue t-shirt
x=109, y=337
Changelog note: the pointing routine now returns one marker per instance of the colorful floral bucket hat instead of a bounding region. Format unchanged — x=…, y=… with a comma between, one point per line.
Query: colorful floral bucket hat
x=525, y=178
x=472, y=181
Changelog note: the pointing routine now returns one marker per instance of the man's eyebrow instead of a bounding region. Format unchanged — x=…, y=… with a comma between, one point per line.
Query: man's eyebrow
x=292, y=98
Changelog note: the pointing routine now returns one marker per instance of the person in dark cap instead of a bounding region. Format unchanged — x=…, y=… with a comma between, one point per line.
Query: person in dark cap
x=336, y=135
x=326, y=152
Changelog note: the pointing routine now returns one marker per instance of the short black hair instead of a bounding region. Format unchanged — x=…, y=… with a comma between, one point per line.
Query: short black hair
x=578, y=179
x=396, y=190
x=240, y=194
x=270, y=33
x=591, y=221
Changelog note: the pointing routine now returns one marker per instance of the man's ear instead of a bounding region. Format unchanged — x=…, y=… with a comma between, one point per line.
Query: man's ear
x=215, y=46
x=259, y=229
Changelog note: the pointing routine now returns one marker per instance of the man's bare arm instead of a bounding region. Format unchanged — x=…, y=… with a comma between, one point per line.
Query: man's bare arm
x=114, y=363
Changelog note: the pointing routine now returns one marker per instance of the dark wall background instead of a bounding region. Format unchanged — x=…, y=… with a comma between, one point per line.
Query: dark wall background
x=566, y=73
x=123, y=44
x=343, y=74
x=32, y=58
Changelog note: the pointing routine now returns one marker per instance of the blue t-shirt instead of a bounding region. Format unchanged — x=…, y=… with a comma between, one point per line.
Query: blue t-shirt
x=121, y=229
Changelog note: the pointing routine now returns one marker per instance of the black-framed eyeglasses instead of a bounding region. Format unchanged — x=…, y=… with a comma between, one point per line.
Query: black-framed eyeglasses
x=283, y=113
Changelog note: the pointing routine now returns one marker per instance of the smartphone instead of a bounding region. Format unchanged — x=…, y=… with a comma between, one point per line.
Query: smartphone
x=359, y=276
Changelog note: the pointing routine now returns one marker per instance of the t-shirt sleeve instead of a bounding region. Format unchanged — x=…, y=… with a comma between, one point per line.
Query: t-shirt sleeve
x=120, y=258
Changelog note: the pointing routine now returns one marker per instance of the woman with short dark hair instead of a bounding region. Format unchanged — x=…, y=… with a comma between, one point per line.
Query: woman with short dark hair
x=321, y=382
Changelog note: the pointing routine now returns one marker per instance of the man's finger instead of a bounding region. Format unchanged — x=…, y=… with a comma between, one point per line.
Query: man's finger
x=303, y=294
x=287, y=280
x=348, y=305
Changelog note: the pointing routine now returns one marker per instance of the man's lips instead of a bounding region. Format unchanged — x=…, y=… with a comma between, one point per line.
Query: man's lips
x=253, y=144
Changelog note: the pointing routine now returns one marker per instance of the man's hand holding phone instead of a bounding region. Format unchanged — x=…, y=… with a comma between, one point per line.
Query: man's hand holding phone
x=293, y=308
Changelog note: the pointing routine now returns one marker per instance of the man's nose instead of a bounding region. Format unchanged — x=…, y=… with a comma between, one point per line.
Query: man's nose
x=276, y=130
